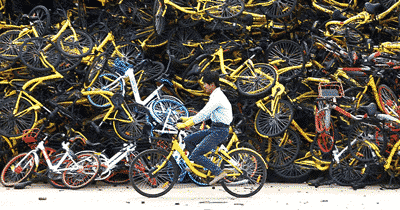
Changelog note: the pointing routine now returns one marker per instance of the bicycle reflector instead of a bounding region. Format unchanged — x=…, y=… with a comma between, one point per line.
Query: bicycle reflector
x=121, y=66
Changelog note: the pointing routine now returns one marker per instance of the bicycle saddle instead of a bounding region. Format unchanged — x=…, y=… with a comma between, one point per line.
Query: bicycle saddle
x=373, y=8
x=337, y=15
x=369, y=109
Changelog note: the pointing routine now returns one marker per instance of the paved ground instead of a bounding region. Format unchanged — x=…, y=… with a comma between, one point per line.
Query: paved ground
x=189, y=196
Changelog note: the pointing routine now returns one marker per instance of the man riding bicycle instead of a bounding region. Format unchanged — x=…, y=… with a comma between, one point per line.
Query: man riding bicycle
x=219, y=110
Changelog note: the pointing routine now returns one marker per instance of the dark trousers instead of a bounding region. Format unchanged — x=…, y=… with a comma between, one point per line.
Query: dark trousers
x=202, y=142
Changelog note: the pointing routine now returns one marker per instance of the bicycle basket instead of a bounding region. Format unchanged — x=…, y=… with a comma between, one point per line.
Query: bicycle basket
x=330, y=90
x=29, y=136
x=121, y=66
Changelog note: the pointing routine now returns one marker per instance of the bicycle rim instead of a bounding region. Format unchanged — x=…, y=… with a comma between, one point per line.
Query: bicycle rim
x=267, y=125
x=254, y=174
x=88, y=167
x=16, y=171
x=257, y=82
x=150, y=185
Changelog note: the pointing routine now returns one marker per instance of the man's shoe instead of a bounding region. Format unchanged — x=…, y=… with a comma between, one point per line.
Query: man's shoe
x=219, y=177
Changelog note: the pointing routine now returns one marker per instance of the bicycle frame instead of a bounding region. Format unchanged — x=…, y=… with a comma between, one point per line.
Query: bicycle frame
x=177, y=153
x=111, y=163
x=53, y=168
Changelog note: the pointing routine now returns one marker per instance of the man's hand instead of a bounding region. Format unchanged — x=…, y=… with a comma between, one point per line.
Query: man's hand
x=184, y=119
x=186, y=124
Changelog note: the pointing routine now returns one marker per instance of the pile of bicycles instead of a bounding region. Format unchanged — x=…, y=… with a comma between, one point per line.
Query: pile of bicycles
x=117, y=75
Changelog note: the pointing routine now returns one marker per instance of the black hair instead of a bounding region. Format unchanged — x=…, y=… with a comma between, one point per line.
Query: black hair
x=211, y=77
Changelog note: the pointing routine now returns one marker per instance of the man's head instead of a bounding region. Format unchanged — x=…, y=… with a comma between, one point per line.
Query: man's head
x=210, y=80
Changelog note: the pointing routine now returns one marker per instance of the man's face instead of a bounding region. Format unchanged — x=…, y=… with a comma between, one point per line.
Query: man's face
x=209, y=88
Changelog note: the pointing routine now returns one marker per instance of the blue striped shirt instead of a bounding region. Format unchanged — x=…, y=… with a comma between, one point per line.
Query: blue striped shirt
x=218, y=109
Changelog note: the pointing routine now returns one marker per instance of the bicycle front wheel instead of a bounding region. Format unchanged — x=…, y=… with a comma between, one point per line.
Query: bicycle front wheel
x=82, y=172
x=268, y=124
x=153, y=185
x=257, y=81
x=253, y=177
x=18, y=169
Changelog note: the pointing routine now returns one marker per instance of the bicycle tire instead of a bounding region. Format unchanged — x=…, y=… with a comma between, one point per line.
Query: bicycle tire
x=252, y=180
x=366, y=131
x=100, y=83
x=294, y=172
x=159, y=19
x=282, y=150
x=279, y=8
x=258, y=82
x=95, y=69
x=270, y=126
x=77, y=179
x=152, y=70
x=387, y=3
x=348, y=171
x=42, y=24
x=11, y=125
x=67, y=64
x=56, y=179
x=224, y=9
x=78, y=47
x=10, y=44
x=388, y=100
x=127, y=52
x=179, y=51
x=12, y=175
x=153, y=185
x=290, y=53
x=361, y=99
x=163, y=108
x=6, y=64
x=139, y=12
x=31, y=54
x=127, y=130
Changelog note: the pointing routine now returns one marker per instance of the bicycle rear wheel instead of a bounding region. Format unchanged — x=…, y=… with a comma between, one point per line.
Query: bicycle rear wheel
x=147, y=184
x=10, y=44
x=34, y=50
x=17, y=169
x=267, y=125
x=131, y=130
x=257, y=81
x=76, y=45
x=165, y=108
x=279, y=8
x=225, y=9
x=88, y=166
x=282, y=150
x=388, y=100
x=42, y=23
x=363, y=133
x=254, y=173
x=12, y=125
x=348, y=171
x=95, y=69
x=286, y=53
x=100, y=84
